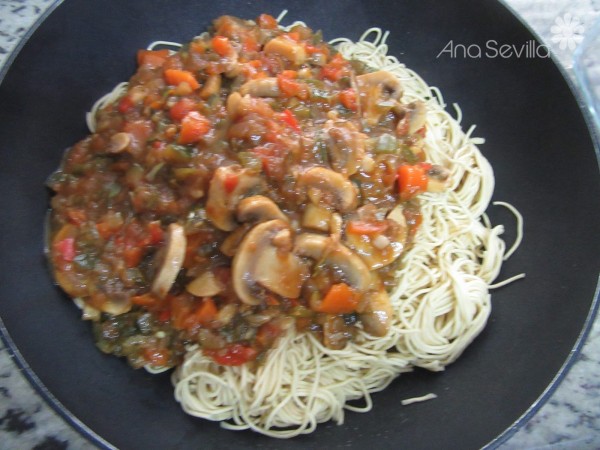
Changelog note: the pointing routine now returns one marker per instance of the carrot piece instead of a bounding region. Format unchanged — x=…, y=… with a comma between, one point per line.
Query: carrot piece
x=206, y=312
x=176, y=76
x=288, y=86
x=144, y=300
x=366, y=227
x=193, y=127
x=412, y=180
x=340, y=299
x=181, y=109
x=152, y=58
x=221, y=45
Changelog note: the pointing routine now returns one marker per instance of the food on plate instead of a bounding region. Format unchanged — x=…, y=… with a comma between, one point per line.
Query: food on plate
x=288, y=223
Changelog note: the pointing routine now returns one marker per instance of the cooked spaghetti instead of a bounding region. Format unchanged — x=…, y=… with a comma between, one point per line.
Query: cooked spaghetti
x=289, y=223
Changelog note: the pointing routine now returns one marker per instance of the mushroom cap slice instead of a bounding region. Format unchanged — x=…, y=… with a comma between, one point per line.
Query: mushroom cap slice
x=259, y=208
x=261, y=87
x=381, y=78
x=263, y=262
x=227, y=186
x=377, y=316
x=169, y=260
x=287, y=48
x=333, y=188
x=332, y=252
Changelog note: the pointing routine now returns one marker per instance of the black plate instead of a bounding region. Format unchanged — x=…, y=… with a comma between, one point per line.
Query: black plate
x=537, y=141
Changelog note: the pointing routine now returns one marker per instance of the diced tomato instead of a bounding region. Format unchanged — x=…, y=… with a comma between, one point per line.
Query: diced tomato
x=267, y=21
x=193, y=127
x=181, y=109
x=231, y=182
x=152, y=58
x=125, y=105
x=232, y=355
x=335, y=69
x=222, y=46
x=156, y=232
x=132, y=256
x=289, y=118
x=66, y=248
x=164, y=315
x=348, y=99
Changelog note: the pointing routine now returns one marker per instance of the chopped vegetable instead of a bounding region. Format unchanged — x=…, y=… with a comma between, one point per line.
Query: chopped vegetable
x=193, y=128
x=222, y=46
x=152, y=58
x=412, y=181
x=175, y=77
x=232, y=355
x=340, y=299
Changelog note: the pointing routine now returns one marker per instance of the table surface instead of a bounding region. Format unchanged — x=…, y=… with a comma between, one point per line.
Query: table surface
x=569, y=419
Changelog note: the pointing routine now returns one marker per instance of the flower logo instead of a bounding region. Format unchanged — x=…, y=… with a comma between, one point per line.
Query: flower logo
x=567, y=31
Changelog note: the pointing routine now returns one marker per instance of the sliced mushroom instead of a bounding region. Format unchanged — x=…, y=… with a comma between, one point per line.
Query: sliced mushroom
x=379, y=93
x=119, y=142
x=316, y=217
x=234, y=239
x=211, y=87
x=264, y=261
x=259, y=208
x=378, y=313
x=384, y=243
x=331, y=188
x=261, y=87
x=287, y=48
x=169, y=260
x=233, y=104
x=414, y=119
x=228, y=186
x=381, y=78
x=346, y=147
x=331, y=252
x=437, y=178
x=205, y=285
